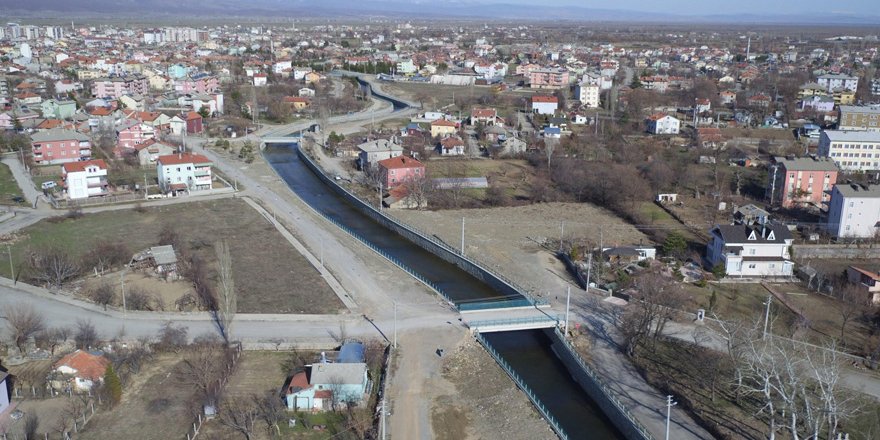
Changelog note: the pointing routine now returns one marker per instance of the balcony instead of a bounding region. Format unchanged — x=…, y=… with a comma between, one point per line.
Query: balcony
x=97, y=183
x=201, y=172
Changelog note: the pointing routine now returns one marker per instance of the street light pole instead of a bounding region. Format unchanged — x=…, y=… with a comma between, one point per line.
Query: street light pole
x=395, y=325
x=669, y=404
x=767, y=316
x=11, y=266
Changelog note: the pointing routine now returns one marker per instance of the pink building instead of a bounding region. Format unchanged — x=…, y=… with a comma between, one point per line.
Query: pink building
x=801, y=181
x=200, y=83
x=130, y=134
x=60, y=146
x=120, y=86
x=555, y=78
x=400, y=169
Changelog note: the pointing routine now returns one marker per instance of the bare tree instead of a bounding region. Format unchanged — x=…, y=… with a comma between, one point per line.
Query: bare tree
x=103, y=295
x=23, y=321
x=653, y=303
x=106, y=254
x=417, y=192
x=172, y=337
x=853, y=303
x=227, y=296
x=31, y=423
x=201, y=370
x=271, y=410
x=85, y=334
x=241, y=415
x=52, y=266
x=337, y=392
x=53, y=337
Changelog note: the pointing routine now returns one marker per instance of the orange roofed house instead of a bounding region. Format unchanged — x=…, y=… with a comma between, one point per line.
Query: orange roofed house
x=400, y=169
x=83, y=368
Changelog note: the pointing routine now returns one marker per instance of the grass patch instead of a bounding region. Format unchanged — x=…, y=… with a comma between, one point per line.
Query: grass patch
x=8, y=187
x=270, y=275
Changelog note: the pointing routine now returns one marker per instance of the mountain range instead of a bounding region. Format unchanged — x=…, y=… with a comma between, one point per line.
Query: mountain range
x=351, y=9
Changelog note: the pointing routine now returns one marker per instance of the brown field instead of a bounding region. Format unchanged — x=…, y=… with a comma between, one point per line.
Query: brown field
x=270, y=275
x=154, y=406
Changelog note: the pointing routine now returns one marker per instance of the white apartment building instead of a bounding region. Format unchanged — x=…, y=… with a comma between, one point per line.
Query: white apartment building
x=832, y=82
x=184, y=172
x=588, y=94
x=85, y=179
x=851, y=150
x=759, y=250
x=662, y=123
x=854, y=211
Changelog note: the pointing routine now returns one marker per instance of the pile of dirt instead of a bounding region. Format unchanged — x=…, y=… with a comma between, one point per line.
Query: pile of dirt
x=487, y=404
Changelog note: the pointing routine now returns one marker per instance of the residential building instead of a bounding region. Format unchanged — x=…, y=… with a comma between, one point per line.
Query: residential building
x=121, y=85
x=398, y=170
x=844, y=97
x=552, y=78
x=85, y=179
x=451, y=146
x=545, y=105
x=443, y=127
x=322, y=386
x=588, y=95
x=819, y=103
x=82, y=369
x=406, y=67
x=184, y=172
x=854, y=211
x=4, y=391
x=757, y=250
x=859, y=118
x=150, y=150
x=661, y=123
x=832, y=82
x=851, y=150
x=866, y=280
x=58, y=146
x=197, y=83
x=129, y=134
x=801, y=181
x=58, y=109
x=297, y=103
x=260, y=79
x=710, y=137
x=380, y=149
x=486, y=116
x=875, y=87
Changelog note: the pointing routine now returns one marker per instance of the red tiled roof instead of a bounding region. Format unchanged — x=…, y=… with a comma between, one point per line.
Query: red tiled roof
x=540, y=98
x=400, y=162
x=443, y=123
x=483, y=112
x=73, y=167
x=657, y=116
x=181, y=158
x=192, y=116
x=87, y=365
x=323, y=394
x=299, y=381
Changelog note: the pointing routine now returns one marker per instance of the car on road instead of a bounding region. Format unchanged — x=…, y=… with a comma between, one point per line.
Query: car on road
x=18, y=199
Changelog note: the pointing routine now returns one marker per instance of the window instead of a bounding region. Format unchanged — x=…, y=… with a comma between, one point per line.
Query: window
x=752, y=266
x=751, y=252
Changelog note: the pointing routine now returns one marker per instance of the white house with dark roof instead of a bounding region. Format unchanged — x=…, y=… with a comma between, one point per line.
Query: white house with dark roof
x=756, y=250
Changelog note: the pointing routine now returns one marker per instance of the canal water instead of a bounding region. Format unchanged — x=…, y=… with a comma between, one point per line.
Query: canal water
x=528, y=353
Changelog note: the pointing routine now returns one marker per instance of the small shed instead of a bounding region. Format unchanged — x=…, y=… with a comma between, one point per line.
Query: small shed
x=165, y=260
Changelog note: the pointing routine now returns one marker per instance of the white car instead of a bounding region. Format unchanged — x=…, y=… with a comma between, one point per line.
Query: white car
x=49, y=184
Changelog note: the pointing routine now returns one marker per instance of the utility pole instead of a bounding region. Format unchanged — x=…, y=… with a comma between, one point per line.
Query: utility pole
x=122, y=288
x=561, y=234
x=767, y=315
x=462, y=236
x=567, y=306
x=11, y=266
x=384, y=412
x=669, y=404
x=589, y=270
x=394, y=344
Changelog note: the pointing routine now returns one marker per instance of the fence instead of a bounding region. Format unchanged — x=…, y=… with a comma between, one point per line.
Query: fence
x=514, y=321
x=106, y=200
x=603, y=396
x=78, y=422
x=525, y=388
x=420, y=238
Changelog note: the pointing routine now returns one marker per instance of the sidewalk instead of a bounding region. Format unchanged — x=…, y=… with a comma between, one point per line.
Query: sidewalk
x=23, y=179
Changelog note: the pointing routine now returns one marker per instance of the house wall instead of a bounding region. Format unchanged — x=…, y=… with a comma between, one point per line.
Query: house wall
x=63, y=151
x=853, y=216
x=813, y=183
x=544, y=108
x=851, y=155
x=4, y=394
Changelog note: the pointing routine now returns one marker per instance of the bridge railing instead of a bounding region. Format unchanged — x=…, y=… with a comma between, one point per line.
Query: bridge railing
x=600, y=384
x=513, y=321
x=524, y=387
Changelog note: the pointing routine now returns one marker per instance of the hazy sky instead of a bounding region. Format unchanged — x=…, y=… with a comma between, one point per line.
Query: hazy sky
x=685, y=7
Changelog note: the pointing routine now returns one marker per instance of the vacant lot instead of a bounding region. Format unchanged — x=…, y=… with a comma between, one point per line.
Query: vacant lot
x=487, y=403
x=512, y=239
x=154, y=406
x=513, y=175
x=270, y=275
x=258, y=372
x=8, y=187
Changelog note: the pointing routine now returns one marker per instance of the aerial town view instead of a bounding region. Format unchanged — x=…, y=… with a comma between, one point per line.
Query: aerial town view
x=452, y=220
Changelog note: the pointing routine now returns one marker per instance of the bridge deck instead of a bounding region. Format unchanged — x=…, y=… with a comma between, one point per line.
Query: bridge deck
x=511, y=320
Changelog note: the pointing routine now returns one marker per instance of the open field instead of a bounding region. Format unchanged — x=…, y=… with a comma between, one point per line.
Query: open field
x=258, y=372
x=8, y=187
x=513, y=237
x=270, y=275
x=154, y=406
x=486, y=404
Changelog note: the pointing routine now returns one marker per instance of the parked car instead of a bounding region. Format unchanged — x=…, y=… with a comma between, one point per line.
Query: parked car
x=48, y=184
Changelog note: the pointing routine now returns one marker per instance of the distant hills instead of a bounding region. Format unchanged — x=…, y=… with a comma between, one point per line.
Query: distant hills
x=351, y=9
